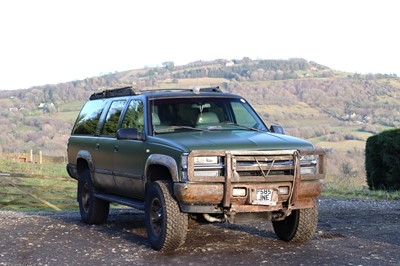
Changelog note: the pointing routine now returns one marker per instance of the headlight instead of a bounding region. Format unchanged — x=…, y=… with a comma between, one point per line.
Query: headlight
x=205, y=160
x=207, y=166
x=308, y=170
x=208, y=173
x=308, y=164
x=308, y=158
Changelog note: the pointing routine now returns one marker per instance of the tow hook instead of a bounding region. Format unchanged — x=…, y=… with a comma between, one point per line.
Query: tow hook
x=279, y=216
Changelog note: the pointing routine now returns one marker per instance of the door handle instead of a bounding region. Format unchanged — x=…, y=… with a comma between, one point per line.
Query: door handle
x=116, y=149
x=97, y=146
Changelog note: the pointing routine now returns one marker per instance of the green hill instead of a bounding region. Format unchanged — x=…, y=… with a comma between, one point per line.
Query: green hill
x=332, y=109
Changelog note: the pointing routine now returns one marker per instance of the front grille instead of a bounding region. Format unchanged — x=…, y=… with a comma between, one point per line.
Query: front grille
x=255, y=166
x=268, y=167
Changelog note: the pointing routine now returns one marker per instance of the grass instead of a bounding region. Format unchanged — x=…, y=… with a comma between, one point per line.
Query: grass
x=67, y=115
x=47, y=187
x=73, y=106
x=33, y=169
x=297, y=109
x=6, y=103
x=354, y=188
x=346, y=192
x=32, y=186
x=342, y=146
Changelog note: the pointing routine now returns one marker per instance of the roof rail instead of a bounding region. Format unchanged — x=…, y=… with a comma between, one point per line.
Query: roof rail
x=123, y=91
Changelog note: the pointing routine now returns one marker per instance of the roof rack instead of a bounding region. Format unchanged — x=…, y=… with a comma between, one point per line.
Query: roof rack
x=130, y=90
x=123, y=91
x=195, y=90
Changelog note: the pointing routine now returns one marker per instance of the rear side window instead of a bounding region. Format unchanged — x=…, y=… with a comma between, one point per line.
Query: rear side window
x=89, y=117
x=112, y=119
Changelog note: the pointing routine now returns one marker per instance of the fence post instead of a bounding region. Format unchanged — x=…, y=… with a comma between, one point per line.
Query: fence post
x=40, y=157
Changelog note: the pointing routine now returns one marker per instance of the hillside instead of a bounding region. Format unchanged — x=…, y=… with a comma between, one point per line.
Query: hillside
x=332, y=109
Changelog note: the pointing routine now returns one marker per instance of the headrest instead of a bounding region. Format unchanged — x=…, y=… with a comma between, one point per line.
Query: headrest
x=156, y=119
x=207, y=118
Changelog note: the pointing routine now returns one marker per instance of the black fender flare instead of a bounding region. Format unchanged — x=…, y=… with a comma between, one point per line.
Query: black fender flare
x=164, y=160
x=85, y=155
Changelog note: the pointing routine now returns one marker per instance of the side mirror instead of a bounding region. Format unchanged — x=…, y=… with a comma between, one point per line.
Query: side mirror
x=277, y=129
x=129, y=134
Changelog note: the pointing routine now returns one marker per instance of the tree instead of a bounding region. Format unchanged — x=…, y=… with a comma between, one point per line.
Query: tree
x=169, y=65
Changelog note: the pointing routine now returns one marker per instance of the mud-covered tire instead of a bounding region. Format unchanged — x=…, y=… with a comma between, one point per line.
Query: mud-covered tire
x=299, y=226
x=92, y=209
x=166, y=225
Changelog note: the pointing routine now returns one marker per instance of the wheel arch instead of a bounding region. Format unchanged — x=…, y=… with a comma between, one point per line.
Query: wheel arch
x=84, y=161
x=161, y=167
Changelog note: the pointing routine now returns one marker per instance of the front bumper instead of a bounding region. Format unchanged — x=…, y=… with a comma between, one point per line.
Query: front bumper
x=215, y=195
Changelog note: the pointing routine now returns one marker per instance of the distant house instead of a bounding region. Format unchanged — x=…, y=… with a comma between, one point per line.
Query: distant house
x=45, y=105
x=16, y=109
x=229, y=63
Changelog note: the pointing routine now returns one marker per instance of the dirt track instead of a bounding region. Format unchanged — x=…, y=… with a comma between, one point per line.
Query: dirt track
x=356, y=232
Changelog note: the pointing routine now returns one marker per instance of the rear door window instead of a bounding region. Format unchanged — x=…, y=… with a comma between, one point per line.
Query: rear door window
x=112, y=118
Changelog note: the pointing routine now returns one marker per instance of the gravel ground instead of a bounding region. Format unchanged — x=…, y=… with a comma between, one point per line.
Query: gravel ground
x=350, y=232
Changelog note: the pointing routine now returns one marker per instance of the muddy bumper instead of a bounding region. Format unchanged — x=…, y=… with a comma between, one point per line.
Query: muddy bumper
x=253, y=182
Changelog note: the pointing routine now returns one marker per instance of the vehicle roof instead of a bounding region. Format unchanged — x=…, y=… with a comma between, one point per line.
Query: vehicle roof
x=162, y=93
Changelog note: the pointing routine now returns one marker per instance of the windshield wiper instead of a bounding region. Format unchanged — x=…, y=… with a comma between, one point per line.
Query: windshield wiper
x=169, y=128
x=242, y=126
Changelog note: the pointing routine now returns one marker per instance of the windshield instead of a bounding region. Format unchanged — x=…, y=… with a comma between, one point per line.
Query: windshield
x=201, y=113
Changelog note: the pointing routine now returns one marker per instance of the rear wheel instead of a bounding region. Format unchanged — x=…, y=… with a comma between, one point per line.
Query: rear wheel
x=92, y=209
x=299, y=226
x=166, y=225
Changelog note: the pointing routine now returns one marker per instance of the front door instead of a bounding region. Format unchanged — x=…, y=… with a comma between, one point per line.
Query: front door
x=130, y=155
x=104, y=147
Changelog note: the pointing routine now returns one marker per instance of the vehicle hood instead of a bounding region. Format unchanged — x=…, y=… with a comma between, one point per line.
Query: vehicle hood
x=232, y=140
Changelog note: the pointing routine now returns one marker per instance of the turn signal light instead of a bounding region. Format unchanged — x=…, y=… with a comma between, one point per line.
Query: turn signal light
x=283, y=190
x=239, y=192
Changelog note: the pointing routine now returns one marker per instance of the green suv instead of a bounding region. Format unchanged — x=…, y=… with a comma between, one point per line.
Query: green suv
x=201, y=153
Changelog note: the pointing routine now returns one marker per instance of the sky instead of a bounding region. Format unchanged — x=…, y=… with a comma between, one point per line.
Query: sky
x=48, y=42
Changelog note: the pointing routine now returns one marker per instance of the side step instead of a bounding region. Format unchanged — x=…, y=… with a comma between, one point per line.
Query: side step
x=137, y=204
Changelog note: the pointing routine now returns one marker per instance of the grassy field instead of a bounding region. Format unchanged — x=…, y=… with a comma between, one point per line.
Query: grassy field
x=69, y=112
x=67, y=115
x=300, y=108
x=32, y=186
x=341, y=146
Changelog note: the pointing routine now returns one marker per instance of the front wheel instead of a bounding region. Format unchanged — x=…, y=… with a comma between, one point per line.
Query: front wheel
x=166, y=225
x=92, y=209
x=299, y=226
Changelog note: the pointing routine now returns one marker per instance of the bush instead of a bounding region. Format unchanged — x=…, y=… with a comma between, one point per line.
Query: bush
x=382, y=160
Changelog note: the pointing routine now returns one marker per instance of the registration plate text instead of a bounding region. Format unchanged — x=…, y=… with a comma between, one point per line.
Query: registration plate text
x=264, y=197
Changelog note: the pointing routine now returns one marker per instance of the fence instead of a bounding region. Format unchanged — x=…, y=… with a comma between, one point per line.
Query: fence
x=23, y=192
x=37, y=157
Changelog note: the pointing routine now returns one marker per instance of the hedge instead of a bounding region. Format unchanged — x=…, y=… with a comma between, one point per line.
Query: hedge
x=382, y=160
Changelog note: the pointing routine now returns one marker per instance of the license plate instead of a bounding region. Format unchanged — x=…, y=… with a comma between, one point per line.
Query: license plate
x=264, y=197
